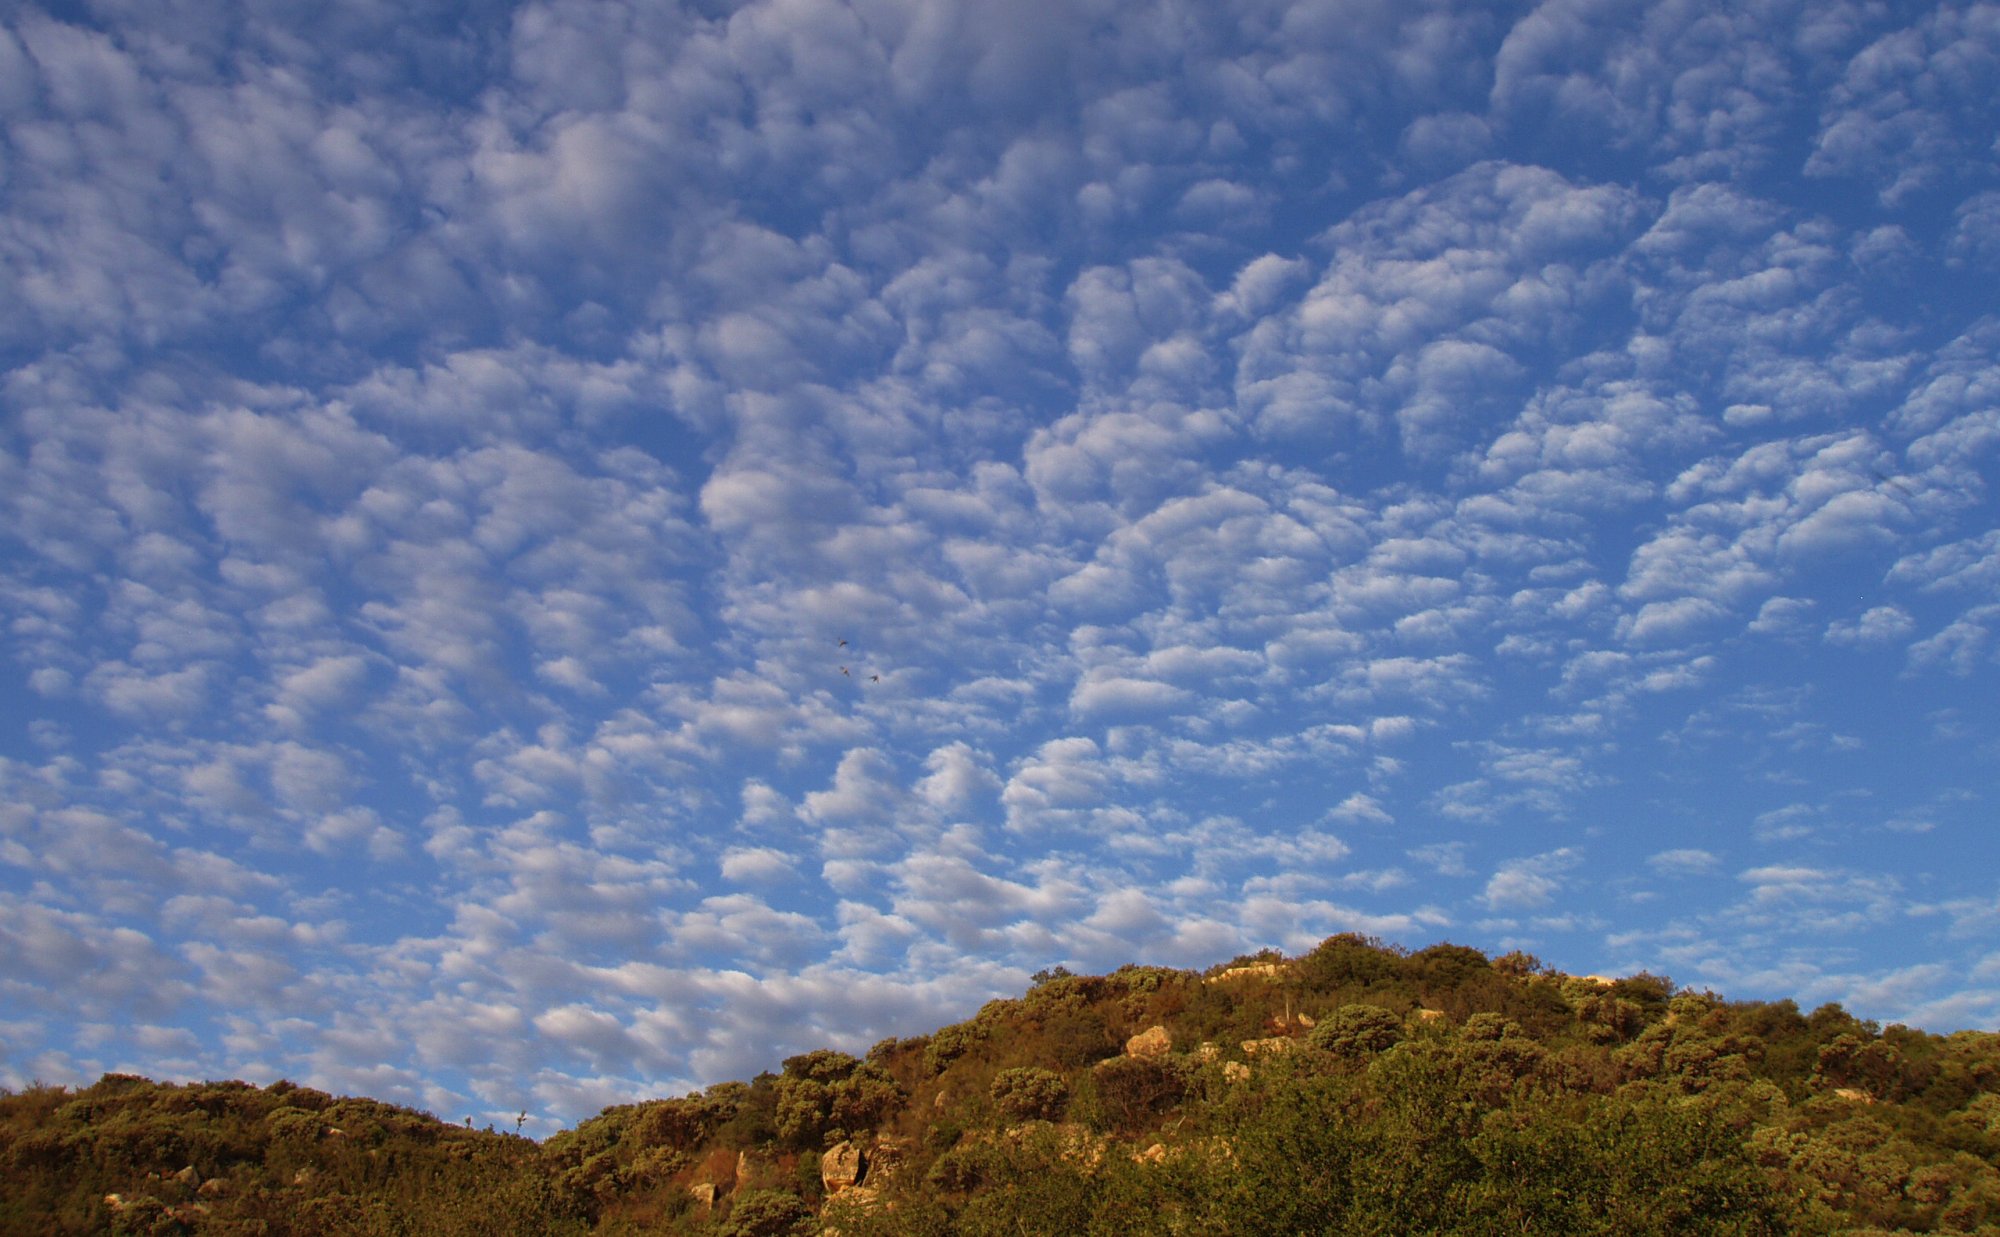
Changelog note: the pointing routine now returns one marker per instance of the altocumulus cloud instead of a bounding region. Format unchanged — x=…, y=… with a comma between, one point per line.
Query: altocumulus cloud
x=568, y=550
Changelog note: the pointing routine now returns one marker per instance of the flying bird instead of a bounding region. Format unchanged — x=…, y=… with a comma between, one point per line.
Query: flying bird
x=843, y=644
x=874, y=678
x=843, y=670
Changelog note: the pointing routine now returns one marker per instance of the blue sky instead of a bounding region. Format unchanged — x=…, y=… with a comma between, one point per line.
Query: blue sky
x=1514, y=474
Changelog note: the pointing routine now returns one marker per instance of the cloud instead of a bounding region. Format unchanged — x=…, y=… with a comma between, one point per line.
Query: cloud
x=1683, y=861
x=1879, y=625
x=1530, y=883
x=1245, y=458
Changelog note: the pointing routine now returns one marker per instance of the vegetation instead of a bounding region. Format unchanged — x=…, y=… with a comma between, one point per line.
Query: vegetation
x=1356, y=1089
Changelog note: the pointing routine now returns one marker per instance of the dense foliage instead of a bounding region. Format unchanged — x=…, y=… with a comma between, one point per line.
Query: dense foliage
x=1356, y=1089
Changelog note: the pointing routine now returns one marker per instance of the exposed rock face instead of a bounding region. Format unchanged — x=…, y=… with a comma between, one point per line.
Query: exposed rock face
x=1151, y=1155
x=1235, y=1071
x=1261, y=970
x=1206, y=1052
x=842, y=1167
x=1430, y=1015
x=704, y=1194
x=886, y=1159
x=1151, y=1044
x=1276, y=1044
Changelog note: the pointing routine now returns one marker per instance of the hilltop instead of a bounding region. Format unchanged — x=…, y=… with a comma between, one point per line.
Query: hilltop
x=1355, y=1088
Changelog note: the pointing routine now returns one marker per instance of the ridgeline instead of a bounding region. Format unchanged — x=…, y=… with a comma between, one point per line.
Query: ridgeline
x=1357, y=1089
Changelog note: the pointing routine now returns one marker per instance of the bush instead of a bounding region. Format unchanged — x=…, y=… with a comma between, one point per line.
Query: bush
x=767, y=1213
x=1131, y=1091
x=1029, y=1093
x=1355, y=1031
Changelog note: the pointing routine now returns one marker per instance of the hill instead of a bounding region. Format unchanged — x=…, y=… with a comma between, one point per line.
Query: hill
x=1358, y=1088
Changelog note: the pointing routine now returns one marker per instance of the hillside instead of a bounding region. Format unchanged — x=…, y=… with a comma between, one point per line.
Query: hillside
x=1355, y=1089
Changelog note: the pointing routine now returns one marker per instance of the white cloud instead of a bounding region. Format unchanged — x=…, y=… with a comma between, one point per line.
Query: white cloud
x=1530, y=883
x=439, y=468
x=1879, y=625
x=1683, y=861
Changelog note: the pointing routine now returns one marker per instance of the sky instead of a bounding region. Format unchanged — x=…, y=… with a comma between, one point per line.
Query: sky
x=563, y=552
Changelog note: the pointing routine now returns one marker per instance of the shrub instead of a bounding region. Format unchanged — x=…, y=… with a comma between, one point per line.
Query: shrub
x=767, y=1213
x=1355, y=1031
x=1029, y=1094
x=1133, y=1090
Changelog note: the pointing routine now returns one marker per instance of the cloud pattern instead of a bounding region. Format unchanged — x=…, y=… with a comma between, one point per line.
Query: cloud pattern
x=566, y=550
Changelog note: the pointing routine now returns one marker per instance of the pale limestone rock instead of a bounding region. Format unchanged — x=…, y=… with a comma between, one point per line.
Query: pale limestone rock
x=704, y=1194
x=1261, y=970
x=1271, y=1046
x=1153, y=1043
x=1235, y=1071
x=842, y=1166
x=886, y=1158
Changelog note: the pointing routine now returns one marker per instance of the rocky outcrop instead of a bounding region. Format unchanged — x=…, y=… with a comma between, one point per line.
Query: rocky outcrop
x=704, y=1194
x=1260, y=970
x=755, y=1167
x=886, y=1159
x=1267, y=1047
x=842, y=1167
x=1151, y=1044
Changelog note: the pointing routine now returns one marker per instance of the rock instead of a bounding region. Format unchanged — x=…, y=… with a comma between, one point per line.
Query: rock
x=1854, y=1095
x=116, y=1202
x=1206, y=1052
x=886, y=1159
x=1151, y=1155
x=188, y=1177
x=214, y=1187
x=1077, y=1145
x=1272, y=1046
x=1429, y=1015
x=842, y=1167
x=1235, y=1071
x=1261, y=970
x=704, y=1194
x=1151, y=1044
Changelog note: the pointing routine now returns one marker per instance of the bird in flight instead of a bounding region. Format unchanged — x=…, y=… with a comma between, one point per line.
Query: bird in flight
x=843, y=670
x=874, y=678
x=843, y=644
